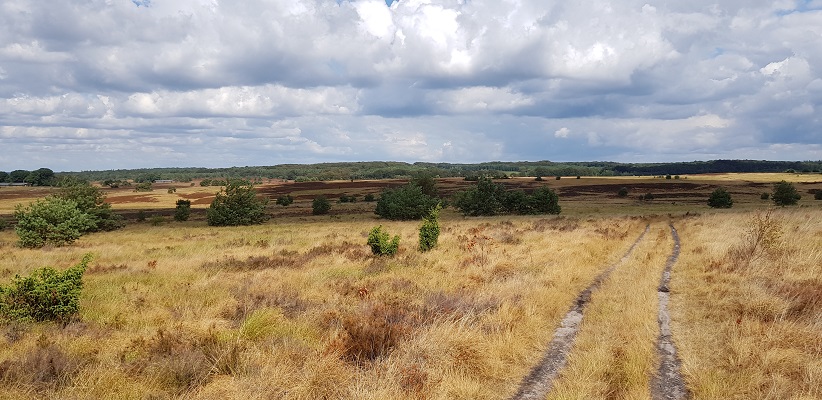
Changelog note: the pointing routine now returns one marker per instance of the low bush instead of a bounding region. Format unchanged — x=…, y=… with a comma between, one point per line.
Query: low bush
x=45, y=295
x=623, y=192
x=369, y=197
x=320, y=205
x=785, y=194
x=381, y=242
x=720, y=198
x=816, y=196
x=765, y=196
x=237, y=204
x=51, y=221
x=3, y=224
x=430, y=229
x=182, y=210
x=285, y=201
x=143, y=187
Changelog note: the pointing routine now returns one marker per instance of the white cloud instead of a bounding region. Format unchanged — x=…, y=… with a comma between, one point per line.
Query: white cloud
x=562, y=132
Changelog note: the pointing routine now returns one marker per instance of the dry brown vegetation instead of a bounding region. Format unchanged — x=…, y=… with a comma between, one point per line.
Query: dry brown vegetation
x=298, y=308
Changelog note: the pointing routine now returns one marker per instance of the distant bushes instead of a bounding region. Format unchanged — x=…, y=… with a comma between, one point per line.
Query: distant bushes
x=489, y=198
x=45, y=295
x=285, y=200
x=320, y=205
x=785, y=194
x=720, y=198
x=405, y=203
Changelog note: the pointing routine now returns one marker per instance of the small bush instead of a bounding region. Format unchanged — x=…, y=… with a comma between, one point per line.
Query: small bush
x=765, y=196
x=172, y=190
x=3, y=224
x=579, y=177
x=369, y=197
x=143, y=187
x=785, y=194
x=285, y=201
x=720, y=198
x=668, y=176
x=237, y=204
x=816, y=196
x=157, y=220
x=45, y=295
x=430, y=229
x=648, y=196
x=320, y=205
x=53, y=221
x=623, y=192
x=141, y=216
x=182, y=210
x=539, y=179
x=558, y=178
x=381, y=242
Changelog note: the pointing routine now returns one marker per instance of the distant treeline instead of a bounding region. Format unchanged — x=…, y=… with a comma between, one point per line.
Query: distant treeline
x=387, y=170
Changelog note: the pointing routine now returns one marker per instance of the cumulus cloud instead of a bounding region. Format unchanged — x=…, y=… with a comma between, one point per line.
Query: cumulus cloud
x=209, y=82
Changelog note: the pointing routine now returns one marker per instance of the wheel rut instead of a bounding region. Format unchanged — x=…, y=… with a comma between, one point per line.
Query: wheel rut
x=667, y=383
x=539, y=381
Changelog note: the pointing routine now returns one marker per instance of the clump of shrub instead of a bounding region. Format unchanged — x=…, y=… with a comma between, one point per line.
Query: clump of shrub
x=623, y=192
x=369, y=197
x=765, y=196
x=172, y=190
x=51, y=221
x=405, y=203
x=141, y=216
x=320, y=205
x=3, y=224
x=143, y=187
x=45, y=295
x=237, y=204
x=430, y=229
x=489, y=198
x=785, y=194
x=374, y=330
x=646, y=197
x=381, y=242
x=285, y=201
x=558, y=177
x=348, y=199
x=182, y=210
x=816, y=196
x=91, y=200
x=720, y=198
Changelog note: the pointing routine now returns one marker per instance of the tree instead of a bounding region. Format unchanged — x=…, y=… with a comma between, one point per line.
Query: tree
x=785, y=194
x=237, y=204
x=90, y=200
x=285, y=200
x=320, y=205
x=720, y=198
x=430, y=229
x=41, y=177
x=404, y=203
x=52, y=220
x=426, y=183
x=182, y=210
x=18, y=176
x=4, y=176
x=545, y=201
x=484, y=198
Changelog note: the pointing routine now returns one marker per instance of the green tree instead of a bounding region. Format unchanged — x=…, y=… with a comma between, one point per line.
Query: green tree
x=4, y=176
x=237, y=204
x=41, y=177
x=426, y=183
x=45, y=295
x=18, y=176
x=484, y=198
x=430, y=229
x=404, y=203
x=320, y=205
x=182, y=210
x=285, y=200
x=785, y=194
x=90, y=200
x=52, y=220
x=720, y=198
x=381, y=242
x=545, y=201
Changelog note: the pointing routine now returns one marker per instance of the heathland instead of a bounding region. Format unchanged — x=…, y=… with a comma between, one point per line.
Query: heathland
x=298, y=307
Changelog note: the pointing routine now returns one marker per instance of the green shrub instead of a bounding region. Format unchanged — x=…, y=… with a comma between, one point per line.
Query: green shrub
x=430, y=229
x=484, y=198
x=172, y=190
x=668, y=176
x=205, y=182
x=237, y=204
x=404, y=203
x=558, y=177
x=143, y=187
x=381, y=242
x=816, y=196
x=285, y=200
x=3, y=224
x=765, y=196
x=648, y=196
x=157, y=220
x=369, y=197
x=182, y=211
x=623, y=192
x=720, y=198
x=141, y=216
x=45, y=295
x=785, y=194
x=92, y=201
x=53, y=221
x=320, y=205
x=544, y=201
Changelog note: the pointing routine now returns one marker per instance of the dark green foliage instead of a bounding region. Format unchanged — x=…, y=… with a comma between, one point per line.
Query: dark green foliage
x=539, y=179
x=91, y=201
x=369, y=197
x=143, y=187
x=668, y=176
x=237, y=204
x=381, y=242
x=404, y=203
x=816, y=196
x=623, y=192
x=182, y=211
x=3, y=224
x=544, y=201
x=785, y=194
x=430, y=229
x=285, y=200
x=18, y=176
x=320, y=205
x=647, y=196
x=141, y=216
x=426, y=183
x=41, y=177
x=765, y=196
x=45, y=295
x=4, y=176
x=53, y=221
x=205, y=182
x=720, y=198
x=676, y=176
x=348, y=199
x=172, y=190
x=579, y=177
x=558, y=177
x=484, y=198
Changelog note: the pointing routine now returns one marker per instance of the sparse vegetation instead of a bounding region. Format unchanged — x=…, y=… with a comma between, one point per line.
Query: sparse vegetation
x=285, y=200
x=320, y=205
x=785, y=194
x=182, y=210
x=237, y=204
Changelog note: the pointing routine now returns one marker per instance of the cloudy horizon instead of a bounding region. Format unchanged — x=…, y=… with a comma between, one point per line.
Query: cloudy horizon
x=113, y=84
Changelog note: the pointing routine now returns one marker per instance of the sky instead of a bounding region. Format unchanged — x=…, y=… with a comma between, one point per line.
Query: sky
x=111, y=84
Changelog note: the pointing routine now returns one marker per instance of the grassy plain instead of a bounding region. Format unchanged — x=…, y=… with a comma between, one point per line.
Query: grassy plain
x=297, y=308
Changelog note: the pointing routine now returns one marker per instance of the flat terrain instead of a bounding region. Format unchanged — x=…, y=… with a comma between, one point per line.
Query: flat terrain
x=298, y=308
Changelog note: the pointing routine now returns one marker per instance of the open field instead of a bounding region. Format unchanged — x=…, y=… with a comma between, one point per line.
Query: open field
x=298, y=308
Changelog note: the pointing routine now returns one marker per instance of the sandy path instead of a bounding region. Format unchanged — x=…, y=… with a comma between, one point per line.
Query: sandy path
x=538, y=382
